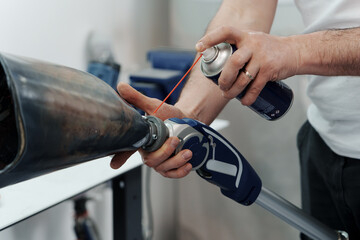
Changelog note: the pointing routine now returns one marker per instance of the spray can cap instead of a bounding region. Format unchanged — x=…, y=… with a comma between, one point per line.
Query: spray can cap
x=210, y=54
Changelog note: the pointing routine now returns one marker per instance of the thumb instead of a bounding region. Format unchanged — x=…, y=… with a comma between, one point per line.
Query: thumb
x=137, y=99
x=218, y=35
x=120, y=158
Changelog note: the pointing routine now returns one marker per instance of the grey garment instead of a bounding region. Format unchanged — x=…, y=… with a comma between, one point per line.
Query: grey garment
x=330, y=184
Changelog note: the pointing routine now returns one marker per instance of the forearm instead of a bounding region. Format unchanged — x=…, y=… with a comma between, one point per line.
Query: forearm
x=329, y=53
x=256, y=15
x=201, y=99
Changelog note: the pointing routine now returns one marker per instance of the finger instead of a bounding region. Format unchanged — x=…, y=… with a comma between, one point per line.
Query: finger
x=175, y=162
x=232, y=67
x=179, y=172
x=218, y=35
x=154, y=159
x=120, y=158
x=169, y=111
x=254, y=90
x=137, y=99
x=245, y=77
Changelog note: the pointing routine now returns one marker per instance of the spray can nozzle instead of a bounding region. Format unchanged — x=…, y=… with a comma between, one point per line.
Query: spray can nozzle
x=210, y=54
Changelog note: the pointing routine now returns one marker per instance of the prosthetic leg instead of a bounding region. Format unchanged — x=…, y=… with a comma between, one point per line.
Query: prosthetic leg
x=52, y=117
x=218, y=162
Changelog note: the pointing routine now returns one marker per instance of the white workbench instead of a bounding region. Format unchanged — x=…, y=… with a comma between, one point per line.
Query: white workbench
x=22, y=200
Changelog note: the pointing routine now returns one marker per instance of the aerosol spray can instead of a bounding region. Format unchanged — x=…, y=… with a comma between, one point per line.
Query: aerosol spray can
x=273, y=101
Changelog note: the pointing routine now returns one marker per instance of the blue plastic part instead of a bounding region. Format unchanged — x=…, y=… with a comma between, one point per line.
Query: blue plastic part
x=193, y=123
x=171, y=59
x=149, y=89
x=198, y=150
x=241, y=183
x=108, y=72
x=168, y=66
x=178, y=120
x=164, y=80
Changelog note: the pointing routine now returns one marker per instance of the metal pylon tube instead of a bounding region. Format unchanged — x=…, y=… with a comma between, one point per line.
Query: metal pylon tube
x=295, y=216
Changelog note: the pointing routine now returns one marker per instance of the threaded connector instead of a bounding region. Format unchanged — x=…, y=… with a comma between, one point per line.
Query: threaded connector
x=158, y=133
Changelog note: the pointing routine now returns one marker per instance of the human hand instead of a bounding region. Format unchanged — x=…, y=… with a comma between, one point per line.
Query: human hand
x=259, y=58
x=161, y=160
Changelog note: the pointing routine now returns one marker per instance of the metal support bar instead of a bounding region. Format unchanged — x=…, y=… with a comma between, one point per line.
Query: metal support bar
x=127, y=206
x=296, y=217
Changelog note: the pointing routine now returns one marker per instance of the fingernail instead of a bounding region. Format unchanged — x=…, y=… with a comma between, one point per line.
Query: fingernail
x=187, y=155
x=188, y=167
x=199, y=46
x=174, y=142
x=113, y=165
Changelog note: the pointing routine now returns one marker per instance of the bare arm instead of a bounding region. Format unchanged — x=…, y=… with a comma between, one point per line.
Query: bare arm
x=273, y=58
x=200, y=98
x=329, y=53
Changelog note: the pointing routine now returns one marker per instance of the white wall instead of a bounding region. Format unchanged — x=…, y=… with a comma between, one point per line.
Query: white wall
x=56, y=31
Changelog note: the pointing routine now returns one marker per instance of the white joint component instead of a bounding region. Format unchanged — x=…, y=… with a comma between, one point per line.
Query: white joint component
x=240, y=166
x=221, y=167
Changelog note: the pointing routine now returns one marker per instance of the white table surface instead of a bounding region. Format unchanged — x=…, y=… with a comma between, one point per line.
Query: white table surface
x=24, y=199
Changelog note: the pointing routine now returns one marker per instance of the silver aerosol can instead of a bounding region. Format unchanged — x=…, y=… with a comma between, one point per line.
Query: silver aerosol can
x=273, y=101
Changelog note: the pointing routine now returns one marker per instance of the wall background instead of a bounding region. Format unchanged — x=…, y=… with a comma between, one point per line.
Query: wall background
x=186, y=209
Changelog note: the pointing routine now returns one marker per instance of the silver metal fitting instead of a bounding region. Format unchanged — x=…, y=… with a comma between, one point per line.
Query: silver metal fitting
x=158, y=133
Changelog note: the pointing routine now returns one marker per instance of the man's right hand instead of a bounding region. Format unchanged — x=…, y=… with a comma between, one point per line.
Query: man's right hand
x=161, y=160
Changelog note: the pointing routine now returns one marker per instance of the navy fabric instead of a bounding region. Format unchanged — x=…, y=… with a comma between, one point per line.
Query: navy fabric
x=330, y=183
